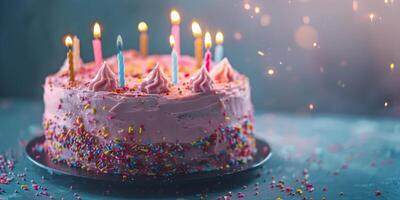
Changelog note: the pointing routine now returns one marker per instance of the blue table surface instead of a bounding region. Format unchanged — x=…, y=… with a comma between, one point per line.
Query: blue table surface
x=347, y=157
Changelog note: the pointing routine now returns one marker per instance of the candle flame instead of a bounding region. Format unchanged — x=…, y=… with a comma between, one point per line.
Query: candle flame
x=219, y=38
x=175, y=17
x=68, y=41
x=96, y=30
x=119, y=42
x=207, y=40
x=172, y=41
x=142, y=27
x=196, y=29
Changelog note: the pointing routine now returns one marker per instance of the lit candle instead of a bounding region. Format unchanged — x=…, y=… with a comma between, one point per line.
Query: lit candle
x=70, y=56
x=143, y=39
x=174, y=61
x=207, y=56
x=121, y=64
x=219, y=49
x=76, y=51
x=97, y=50
x=175, y=30
x=198, y=43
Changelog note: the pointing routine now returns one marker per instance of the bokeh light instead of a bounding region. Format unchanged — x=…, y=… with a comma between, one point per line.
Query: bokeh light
x=305, y=36
x=265, y=20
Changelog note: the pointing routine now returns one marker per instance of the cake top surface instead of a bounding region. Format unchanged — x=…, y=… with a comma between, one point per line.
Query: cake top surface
x=150, y=75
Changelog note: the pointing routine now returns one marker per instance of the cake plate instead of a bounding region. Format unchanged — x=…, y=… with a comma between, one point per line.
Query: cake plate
x=36, y=154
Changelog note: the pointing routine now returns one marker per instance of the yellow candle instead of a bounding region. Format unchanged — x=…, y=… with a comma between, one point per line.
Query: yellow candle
x=68, y=44
x=143, y=39
x=198, y=43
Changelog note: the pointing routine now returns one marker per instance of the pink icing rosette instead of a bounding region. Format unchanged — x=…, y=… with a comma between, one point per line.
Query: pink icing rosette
x=155, y=82
x=104, y=79
x=202, y=82
x=223, y=72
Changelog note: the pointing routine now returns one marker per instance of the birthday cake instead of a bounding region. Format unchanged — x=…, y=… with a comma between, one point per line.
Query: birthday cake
x=150, y=126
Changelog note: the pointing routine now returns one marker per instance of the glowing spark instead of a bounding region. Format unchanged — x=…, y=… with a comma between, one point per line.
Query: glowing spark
x=372, y=17
x=257, y=10
x=315, y=45
x=386, y=104
x=260, y=53
x=270, y=72
x=311, y=106
x=392, y=66
x=386, y=1
x=246, y=6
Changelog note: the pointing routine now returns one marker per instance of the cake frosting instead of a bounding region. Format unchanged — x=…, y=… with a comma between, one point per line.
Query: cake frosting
x=223, y=72
x=155, y=82
x=104, y=80
x=202, y=82
x=150, y=127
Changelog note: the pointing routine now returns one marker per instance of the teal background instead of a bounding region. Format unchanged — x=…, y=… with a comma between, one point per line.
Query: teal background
x=348, y=73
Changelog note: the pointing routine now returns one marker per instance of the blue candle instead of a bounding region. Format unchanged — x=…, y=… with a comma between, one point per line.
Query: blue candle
x=174, y=61
x=218, y=53
x=121, y=62
x=219, y=49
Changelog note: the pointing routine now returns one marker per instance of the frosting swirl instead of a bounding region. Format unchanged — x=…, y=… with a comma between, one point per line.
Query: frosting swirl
x=223, y=72
x=104, y=79
x=202, y=82
x=155, y=82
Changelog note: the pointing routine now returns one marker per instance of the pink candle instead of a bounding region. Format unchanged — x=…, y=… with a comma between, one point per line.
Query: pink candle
x=207, y=60
x=207, y=56
x=175, y=30
x=97, y=49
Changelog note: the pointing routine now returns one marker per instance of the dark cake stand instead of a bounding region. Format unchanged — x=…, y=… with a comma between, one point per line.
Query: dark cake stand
x=42, y=160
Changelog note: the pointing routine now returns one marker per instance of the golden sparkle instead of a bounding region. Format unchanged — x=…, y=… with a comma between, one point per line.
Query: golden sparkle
x=392, y=66
x=311, y=106
x=270, y=72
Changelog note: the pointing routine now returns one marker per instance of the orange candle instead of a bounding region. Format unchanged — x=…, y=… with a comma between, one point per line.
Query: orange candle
x=68, y=44
x=198, y=43
x=143, y=38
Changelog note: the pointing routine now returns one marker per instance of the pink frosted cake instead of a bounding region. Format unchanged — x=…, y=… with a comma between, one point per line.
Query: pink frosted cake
x=149, y=127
